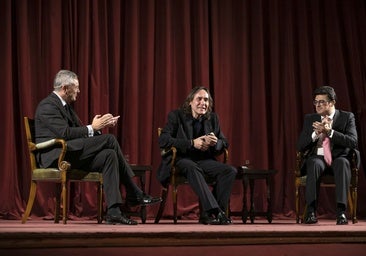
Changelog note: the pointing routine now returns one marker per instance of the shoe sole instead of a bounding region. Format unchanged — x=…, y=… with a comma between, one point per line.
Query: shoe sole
x=143, y=204
x=119, y=223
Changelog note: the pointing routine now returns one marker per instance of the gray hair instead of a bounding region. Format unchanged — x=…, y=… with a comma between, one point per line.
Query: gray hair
x=65, y=77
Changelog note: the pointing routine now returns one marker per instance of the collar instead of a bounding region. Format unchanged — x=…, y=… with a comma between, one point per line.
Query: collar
x=331, y=116
x=62, y=100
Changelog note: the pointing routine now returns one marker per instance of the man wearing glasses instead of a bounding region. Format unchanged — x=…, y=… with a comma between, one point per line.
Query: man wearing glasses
x=328, y=136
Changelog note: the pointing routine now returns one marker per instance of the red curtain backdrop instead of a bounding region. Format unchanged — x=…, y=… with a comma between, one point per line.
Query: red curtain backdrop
x=261, y=59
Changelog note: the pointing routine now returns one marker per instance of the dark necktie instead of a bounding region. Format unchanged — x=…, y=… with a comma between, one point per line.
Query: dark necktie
x=70, y=115
x=68, y=111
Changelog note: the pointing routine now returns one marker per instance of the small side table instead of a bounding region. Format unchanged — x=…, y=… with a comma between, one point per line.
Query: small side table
x=142, y=172
x=249, y=177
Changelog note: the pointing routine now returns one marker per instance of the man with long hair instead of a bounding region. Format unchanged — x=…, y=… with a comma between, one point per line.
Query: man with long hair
x=195, y=131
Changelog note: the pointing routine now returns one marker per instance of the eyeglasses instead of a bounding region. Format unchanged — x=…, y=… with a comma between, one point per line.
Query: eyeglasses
x=320, y=102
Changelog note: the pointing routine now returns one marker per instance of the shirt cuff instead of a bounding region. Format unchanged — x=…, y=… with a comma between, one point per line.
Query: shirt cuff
x=90, y=130
x=330, y=134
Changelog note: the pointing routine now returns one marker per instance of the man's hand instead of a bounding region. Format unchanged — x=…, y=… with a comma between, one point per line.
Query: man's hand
x=322, y=127
x=211, y=139
x=200, y=143
x=107, y=120
x=204, y=142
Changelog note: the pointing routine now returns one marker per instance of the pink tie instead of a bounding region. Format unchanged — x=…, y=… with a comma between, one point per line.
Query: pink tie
x=327, y=153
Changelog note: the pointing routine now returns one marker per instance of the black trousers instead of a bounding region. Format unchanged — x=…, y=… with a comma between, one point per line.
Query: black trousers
x=222, y=174
x=103, y=154
x=340, y=167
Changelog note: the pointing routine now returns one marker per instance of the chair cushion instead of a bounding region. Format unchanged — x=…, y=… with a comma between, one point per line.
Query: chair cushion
x=54, y=174
x=46, y=174
x=76, y=174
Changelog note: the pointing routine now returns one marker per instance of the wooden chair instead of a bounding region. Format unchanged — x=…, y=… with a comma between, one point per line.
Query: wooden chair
x=327, y=180
x=62, y=175
x=175, y=181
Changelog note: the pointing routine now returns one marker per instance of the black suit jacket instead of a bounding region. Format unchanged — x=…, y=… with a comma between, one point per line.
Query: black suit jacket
x=344, y=136
x=178, y=132
x=52, y=121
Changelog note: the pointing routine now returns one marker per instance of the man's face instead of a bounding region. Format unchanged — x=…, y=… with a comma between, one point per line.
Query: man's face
x=199, y=104
x=323, y=105
x=71, y=92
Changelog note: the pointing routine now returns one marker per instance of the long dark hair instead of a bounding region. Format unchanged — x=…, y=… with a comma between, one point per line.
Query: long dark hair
x=186, y=107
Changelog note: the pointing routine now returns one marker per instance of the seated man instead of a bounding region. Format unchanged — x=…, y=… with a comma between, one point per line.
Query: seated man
x=195, y=131
x=87, y=148
x=329, y=135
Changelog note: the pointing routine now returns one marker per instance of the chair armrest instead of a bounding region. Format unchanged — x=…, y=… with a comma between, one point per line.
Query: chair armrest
x=46, y=144
x=170, y=152
x=298, y=164
x=174, y=155
x=226, y=155
x=355, y=157
x=61, y=143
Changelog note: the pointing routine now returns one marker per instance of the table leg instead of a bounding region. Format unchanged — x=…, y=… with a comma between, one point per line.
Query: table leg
x=269, y=202
x=245, y=209
x=252, y=210
x=143, y=207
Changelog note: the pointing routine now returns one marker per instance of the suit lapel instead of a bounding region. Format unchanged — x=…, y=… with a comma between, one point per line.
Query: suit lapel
x=189, y=128
x=58, y=103
x=317, y=118
x=335, y=118
x=207, y=126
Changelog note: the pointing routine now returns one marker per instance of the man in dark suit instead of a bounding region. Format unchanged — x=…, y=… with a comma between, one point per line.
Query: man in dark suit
x=338, y=127
x=87, y=147
x=195, y=131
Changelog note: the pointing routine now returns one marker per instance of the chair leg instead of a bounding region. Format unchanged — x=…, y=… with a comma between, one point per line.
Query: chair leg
x=164, y=195
x=304, y=213
x=297, y=204
x=143, y=214
x=100, y=203
x=352, y=204
x=175, y=205
x=32, y=196
x=58, y=203
x=354, y=218
x=64, y=202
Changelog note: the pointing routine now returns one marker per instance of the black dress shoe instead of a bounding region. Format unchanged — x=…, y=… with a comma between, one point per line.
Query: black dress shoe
x=310, y=218
x=144, y=200
x=207, y=220
x=223, y=219
x=342, y=219
x=119, y=219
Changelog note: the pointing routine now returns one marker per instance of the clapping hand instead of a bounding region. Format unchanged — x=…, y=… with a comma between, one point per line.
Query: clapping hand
x=322, y=127
x=103, y=121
